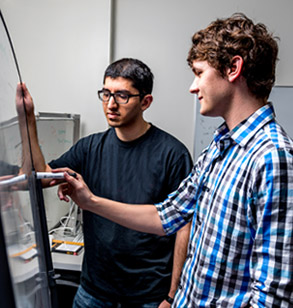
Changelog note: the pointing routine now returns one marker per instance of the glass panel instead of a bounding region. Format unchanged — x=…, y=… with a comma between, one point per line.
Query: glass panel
x=20, y=220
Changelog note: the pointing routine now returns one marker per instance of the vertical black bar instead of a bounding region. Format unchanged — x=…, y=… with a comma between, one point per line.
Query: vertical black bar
x=42, y=279
x=46, y=244
x=6, y=290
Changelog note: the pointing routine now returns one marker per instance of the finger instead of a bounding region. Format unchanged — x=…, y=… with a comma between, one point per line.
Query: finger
x=72, y=180
x=6, y=177
x=61, y=170
x=18, y=88
x=21, y=89
x=55, y=182
x=62, y=192
x=63, y=198
x=65, y=169
x=25, y=90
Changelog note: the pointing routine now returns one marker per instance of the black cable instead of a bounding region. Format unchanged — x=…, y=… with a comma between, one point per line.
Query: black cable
x=20, y=80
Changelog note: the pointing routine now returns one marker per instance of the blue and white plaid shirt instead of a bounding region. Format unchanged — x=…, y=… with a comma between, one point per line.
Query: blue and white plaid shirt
x=240, y=199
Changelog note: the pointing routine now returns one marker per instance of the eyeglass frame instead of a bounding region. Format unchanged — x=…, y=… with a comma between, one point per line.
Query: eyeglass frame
x=129, y=95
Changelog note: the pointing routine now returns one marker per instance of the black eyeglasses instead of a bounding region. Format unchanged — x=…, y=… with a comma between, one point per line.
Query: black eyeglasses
x=119, y=97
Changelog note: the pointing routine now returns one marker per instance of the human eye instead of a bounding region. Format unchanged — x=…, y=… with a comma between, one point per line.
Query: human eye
x=121, y=95
x=106, y=94
x=198, y=73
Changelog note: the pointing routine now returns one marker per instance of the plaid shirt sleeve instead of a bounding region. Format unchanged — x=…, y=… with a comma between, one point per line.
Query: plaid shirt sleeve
x=270, y=213
x=178, y=209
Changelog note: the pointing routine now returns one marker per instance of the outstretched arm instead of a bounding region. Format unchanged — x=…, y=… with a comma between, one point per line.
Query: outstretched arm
x=28, y=131
x=142, y=218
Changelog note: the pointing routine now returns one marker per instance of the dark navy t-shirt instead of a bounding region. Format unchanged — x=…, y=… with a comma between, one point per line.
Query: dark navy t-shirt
x=120, y=263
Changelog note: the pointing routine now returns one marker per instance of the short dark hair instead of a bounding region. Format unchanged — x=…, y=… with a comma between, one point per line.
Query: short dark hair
x=238, y=35
x=134, y=70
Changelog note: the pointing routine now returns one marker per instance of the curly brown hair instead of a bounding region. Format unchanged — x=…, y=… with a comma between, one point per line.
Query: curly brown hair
x=238, y=35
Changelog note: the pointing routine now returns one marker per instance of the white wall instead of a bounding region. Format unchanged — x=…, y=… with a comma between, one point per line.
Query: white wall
x=62, y=50
x=159, y=32
x=62, y=47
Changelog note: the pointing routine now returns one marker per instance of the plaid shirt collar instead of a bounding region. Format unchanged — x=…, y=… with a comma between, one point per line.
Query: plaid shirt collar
x=244, y=131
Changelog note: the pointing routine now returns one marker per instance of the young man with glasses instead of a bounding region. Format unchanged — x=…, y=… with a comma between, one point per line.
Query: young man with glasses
x=134, y=162
x=239, y=194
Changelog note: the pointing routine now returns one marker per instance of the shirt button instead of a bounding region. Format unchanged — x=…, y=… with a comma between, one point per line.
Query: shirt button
x=189, y=255
x=180, y=287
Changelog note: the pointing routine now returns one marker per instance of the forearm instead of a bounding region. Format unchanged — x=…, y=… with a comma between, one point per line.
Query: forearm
x=180, y=251
x=32, y=153
x=142, y=218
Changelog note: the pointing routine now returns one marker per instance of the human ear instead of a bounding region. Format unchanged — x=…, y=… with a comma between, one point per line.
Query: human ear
x=146, y=102
x=235, y=68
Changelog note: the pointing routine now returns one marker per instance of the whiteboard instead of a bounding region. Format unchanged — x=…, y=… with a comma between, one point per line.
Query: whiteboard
x=57, y=132
x=281, y=97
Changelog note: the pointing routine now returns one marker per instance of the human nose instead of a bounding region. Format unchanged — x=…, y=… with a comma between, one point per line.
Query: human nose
x=194, y=87
x=112, y=103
